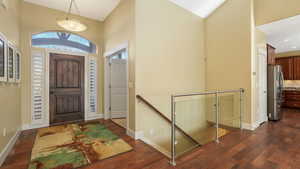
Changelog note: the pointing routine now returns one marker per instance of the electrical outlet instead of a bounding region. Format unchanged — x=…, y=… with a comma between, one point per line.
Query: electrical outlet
x=4, y=132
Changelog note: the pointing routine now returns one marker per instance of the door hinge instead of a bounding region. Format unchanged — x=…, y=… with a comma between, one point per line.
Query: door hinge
x=109, y=108
x=109, y=86
x=109, y=63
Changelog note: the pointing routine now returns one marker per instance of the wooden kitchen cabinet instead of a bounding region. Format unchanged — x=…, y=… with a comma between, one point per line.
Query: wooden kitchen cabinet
x=291, y=99
x=296, y=67
x=287, y=64
x=271, y=54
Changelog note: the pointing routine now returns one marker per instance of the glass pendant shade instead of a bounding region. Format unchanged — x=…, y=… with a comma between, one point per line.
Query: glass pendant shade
x=72, y=25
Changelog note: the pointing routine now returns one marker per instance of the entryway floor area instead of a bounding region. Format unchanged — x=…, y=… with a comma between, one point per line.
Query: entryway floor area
x=274, y=145
x=120, y=121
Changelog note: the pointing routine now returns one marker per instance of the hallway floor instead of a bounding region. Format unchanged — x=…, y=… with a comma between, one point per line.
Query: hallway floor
x=120, y=121
x=274, y=145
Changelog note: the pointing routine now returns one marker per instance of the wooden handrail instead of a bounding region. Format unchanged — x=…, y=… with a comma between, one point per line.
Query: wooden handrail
x=165, y=118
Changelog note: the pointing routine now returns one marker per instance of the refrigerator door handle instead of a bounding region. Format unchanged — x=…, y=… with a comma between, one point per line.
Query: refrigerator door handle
x=281, y=79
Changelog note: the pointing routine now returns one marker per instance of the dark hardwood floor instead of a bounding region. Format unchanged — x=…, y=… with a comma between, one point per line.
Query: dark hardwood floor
x=274, y=145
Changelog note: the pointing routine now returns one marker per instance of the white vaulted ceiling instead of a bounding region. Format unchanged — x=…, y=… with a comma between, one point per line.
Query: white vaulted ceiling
x=284, y=35
x=100, y=9
x=94, y=9
x=202, y=8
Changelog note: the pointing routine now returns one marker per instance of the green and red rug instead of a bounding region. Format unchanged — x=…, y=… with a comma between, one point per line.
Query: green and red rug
x=74, y=145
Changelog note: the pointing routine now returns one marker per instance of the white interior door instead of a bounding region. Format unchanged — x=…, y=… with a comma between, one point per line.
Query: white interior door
x=262, y=86
x=118, y=88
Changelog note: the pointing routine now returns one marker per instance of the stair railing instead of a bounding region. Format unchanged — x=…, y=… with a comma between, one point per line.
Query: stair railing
x=166, y=118
x=217, y=108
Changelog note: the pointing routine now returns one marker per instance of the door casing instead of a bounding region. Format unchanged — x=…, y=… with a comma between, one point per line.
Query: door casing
x=107, y=55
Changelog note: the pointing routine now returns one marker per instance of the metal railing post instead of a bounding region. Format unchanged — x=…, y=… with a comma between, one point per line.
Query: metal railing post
x=241, y=107
x=217, y=117
x=217, y=113
x=173, y=162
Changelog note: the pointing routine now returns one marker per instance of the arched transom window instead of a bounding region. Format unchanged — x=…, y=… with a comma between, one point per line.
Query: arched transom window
x=63, y=41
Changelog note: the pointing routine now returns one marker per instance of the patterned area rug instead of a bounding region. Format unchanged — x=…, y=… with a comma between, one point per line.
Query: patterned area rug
x=74, y=145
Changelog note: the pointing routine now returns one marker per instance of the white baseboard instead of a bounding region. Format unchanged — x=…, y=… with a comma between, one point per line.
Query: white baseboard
x=107, y=115
x=118, y=115
x=7, y=149
x=157, y=147
x=255, y=125
x=95, y=117
x=135, y=135
x=33, y=126
x=249, y=126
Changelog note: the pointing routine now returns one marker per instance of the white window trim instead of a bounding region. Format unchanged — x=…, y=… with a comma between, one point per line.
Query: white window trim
x=11, y=45
x=90, y=114
x=20, y=67
x=40, y=122
x=3, y=38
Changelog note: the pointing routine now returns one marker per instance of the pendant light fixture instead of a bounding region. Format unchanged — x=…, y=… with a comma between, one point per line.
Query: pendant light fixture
x=71, y=24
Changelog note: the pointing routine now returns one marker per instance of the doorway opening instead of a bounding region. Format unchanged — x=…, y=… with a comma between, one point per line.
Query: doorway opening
x=117, y=94
x=283, y=60
x=64, y=79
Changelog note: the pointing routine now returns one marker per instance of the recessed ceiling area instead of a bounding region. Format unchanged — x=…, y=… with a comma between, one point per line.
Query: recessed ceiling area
x=94, y=9
x=202, y=8
x=284, y=35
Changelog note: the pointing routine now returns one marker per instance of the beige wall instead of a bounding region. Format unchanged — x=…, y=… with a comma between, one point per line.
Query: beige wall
x=287, y=54
x=10, y=93
x=229, y=50
x=119, y=28
x=169, y=59
x=36, y=19
x=267, y=11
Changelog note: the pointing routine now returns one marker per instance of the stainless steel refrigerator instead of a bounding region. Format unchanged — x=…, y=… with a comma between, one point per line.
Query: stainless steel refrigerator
x=275, y=92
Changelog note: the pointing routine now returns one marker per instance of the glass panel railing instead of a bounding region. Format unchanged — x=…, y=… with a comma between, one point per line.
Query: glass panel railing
x=191, y=117
x=157, y=130
x=204, y=117
x=177, y=124
x=229, y=111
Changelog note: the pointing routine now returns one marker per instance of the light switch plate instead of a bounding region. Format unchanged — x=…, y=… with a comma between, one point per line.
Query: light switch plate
x=4, y=132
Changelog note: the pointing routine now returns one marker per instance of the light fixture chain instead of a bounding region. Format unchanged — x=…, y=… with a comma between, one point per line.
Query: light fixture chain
x=70, y=8
x=76, y=6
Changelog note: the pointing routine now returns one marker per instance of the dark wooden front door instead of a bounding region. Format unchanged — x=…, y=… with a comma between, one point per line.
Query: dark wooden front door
x=66, y=88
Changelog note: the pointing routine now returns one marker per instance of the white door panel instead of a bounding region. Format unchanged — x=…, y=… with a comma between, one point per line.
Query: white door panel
x=262, y=86
x=118, y=105
x=118, y=86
